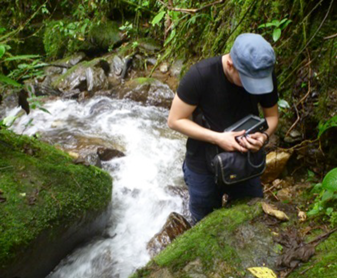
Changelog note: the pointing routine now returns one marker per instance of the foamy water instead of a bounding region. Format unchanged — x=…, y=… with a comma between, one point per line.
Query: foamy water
x=140, y=204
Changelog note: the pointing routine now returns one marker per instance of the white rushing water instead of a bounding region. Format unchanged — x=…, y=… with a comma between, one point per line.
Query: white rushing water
x=140, y=204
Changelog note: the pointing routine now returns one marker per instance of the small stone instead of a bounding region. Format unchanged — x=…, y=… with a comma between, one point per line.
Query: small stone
x=164, y=67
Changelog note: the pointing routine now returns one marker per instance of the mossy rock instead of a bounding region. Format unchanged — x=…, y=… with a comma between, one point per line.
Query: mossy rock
x=105, y=35
x=100, y=37
x=49, y=205
x=223, y=244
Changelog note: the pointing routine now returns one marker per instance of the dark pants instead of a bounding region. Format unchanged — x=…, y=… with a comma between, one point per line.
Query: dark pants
x=206, y=195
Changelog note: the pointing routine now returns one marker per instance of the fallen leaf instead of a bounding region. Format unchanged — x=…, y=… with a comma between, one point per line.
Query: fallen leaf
x=270, y=210
x=22, y=194
x=262, y=272
x=302, y=216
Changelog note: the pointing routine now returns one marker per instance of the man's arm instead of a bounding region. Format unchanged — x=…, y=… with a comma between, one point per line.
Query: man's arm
x=180, y=120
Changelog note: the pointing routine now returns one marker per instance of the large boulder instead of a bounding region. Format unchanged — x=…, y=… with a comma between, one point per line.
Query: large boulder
x=231, y=241
x=50, y=205
x=276, y=161
x=86, y=76
x=148, y=91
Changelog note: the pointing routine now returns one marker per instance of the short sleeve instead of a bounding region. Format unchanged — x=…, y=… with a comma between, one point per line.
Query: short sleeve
x=270, y=99
x=188, y=90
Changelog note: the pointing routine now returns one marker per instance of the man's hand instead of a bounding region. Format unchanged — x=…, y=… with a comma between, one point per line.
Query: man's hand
x=227, y=141
x=254, y=141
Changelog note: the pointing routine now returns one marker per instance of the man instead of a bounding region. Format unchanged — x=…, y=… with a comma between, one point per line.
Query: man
x=224, y=89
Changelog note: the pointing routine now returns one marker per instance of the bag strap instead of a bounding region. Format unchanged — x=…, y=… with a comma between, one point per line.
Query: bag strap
x=253, y=165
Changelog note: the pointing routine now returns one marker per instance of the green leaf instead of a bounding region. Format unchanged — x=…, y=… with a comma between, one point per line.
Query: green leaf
x=330, y=180
x=332, y=122
x=170, y=38
x=276, y=34
x=286, y=24
x=327, y=195
x=44, y=110
x=329, y=211
x=9, y=81
x=22, y=57
x=315, y=210
x=158, y=18
x=2, y=50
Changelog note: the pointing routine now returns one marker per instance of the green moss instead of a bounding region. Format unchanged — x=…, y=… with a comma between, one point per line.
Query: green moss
x=144, y=80
x=207, y=243
x=43, y=189
x=105, y=35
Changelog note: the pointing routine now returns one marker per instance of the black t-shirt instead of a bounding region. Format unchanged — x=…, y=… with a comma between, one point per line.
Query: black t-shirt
x=221, y=102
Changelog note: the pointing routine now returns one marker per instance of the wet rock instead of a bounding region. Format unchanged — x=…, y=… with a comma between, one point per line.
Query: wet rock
x=106, y=154
x=90, y=159
x=176, y=68
x=86, y=76
x=182, y=192
x=151, y=61
x=276, y=162
x=61, y=66
x=100, y=107
x=148, y=45
x=162, y=273
x=174, y=226
x=194, y=269
x=116, y=64
x=294, y=136
x=148, y=91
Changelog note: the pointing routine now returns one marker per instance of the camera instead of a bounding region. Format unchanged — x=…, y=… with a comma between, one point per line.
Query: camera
x=250, y=124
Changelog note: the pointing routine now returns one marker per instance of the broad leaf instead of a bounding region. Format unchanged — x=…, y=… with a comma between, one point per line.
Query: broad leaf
x=276, y=34
x=327, y=195
x=330, y=180
x=2, y=50
x=158, y=18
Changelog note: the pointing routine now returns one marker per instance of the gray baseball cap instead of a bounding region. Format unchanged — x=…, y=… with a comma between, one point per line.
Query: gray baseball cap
x=254, y=58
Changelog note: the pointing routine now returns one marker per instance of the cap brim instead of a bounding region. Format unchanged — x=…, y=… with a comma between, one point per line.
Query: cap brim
x=257, y=86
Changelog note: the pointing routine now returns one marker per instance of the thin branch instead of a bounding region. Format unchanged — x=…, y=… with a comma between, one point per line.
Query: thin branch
x=189, y=11
x=330, y=37
x=295, y=123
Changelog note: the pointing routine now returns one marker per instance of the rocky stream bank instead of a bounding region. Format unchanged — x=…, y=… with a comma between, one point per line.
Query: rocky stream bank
x=72, y=197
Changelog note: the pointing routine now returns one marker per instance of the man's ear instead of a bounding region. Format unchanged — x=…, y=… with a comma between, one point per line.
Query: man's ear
x=229, y=63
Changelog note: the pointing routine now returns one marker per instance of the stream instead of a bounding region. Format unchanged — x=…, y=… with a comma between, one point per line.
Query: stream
x=140, y=203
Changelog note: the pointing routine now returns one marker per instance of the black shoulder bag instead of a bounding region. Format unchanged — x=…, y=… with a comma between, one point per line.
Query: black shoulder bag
x=234, y=167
